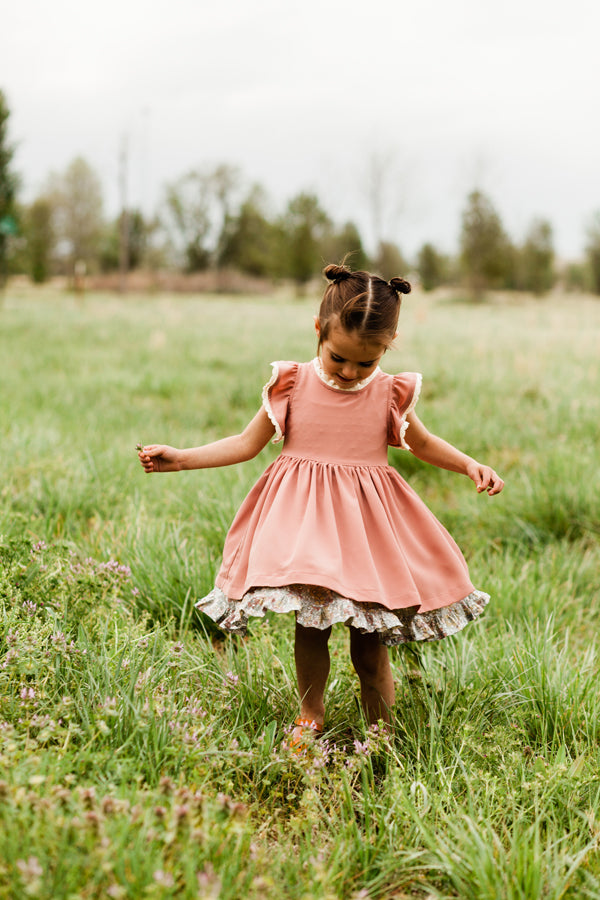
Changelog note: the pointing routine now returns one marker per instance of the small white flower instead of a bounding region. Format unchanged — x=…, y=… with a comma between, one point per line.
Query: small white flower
x=165, y=879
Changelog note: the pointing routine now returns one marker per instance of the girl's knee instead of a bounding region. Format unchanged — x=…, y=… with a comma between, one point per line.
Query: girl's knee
x=369, y=657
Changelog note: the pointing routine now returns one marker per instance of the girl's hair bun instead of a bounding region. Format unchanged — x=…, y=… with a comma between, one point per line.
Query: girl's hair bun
x=400, y=285
x=336, y=273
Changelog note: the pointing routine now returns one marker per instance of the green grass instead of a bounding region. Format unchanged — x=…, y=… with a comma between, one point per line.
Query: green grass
x=142, y=756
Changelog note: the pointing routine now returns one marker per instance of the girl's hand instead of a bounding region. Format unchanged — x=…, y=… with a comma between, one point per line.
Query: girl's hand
x=485, y=478
x=159, y=458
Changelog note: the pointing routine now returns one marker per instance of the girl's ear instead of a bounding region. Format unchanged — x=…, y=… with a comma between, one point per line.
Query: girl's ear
x=317, y=325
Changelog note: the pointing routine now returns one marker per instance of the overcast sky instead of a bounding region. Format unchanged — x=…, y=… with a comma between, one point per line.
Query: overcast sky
x=441, y=96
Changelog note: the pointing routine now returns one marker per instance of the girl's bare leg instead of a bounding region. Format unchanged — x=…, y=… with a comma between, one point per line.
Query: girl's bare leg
x=312, y=670
x=372, y=663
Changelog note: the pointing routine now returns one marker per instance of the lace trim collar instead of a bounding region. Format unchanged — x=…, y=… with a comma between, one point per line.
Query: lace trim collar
x=331, y=383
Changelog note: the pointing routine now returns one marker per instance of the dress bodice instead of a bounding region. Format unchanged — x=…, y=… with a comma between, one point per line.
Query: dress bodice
x=337, y=427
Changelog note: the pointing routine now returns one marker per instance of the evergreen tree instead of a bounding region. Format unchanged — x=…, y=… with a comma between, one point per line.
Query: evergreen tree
x=592, y=252
x=40, y=238
x=346, y=242
x=389, y=261
x=536, y=259
x=432, y=267
x=305, y=226
x=248, y=240
x=487, y=259
x=138, y=232
x=9, y=183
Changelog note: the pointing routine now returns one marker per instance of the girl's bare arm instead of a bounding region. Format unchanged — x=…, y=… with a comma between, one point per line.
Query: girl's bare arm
x=226, y=452
x=438, y=452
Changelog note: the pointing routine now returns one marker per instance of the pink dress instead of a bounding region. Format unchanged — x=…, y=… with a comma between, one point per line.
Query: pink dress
x=334, y=533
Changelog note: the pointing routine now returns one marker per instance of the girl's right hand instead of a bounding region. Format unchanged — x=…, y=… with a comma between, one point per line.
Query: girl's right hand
x=159, y=458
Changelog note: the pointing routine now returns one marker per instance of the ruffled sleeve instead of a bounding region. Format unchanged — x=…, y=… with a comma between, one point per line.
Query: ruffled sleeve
x=406, y=388
x=276, y=395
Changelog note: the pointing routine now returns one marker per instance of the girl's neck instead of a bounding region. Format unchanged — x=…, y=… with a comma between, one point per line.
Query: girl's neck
x=331, y=383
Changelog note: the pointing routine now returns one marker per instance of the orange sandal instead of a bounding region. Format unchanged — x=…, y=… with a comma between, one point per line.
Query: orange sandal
x=303, y=733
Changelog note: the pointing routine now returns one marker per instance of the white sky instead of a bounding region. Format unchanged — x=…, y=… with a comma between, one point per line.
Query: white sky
x=447, y=95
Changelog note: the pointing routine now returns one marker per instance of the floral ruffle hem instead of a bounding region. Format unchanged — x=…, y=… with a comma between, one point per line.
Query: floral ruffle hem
x=317, y=607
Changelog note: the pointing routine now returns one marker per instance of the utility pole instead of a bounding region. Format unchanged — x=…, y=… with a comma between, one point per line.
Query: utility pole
x=124, y=218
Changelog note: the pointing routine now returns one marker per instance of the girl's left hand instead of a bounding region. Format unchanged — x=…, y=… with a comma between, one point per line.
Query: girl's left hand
x=485, y=478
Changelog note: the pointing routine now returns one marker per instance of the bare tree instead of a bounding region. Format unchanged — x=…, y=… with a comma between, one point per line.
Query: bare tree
x=196, y=211
x=77, y=211
x=385, y=195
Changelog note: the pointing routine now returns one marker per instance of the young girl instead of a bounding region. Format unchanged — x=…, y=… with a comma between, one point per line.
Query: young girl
x=331, y=531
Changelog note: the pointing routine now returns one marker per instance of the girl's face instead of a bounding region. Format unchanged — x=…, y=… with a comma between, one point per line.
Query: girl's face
x=347, y=358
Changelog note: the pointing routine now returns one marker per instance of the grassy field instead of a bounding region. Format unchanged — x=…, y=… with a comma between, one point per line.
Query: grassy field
x=141, y=755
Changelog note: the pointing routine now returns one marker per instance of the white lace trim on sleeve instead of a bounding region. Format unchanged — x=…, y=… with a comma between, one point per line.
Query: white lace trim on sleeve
x=278, y=436
x=413, y=403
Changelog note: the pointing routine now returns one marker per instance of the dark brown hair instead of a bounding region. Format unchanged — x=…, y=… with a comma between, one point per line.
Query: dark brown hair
x=361, y=302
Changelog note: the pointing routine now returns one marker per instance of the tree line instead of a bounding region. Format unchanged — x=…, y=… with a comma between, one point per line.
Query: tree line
x=210, y=219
